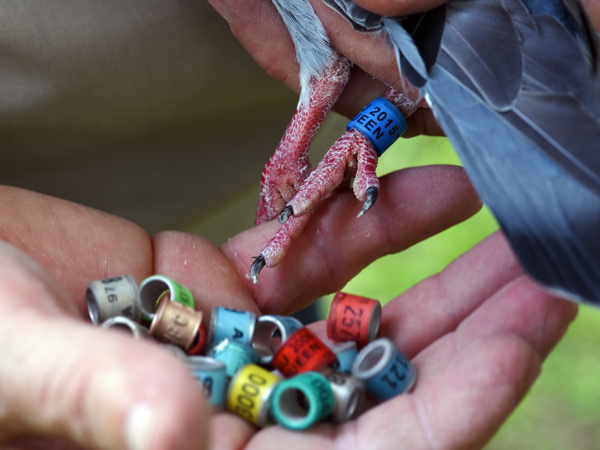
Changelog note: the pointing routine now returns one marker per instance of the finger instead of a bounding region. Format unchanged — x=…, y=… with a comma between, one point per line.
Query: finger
x=98, y=388
x=223, y=436
x=369, y=51
x=478, y=374
x=423, y=122
x=40, y=443
x=438, y=304
x=393, y=8
x=461, y=407
x=473, y=376
x=76, y=244
x=335, y=245
x=201, y=267
x=593, y=8
x=520, y=309
x=258, y=27
x=441, y=304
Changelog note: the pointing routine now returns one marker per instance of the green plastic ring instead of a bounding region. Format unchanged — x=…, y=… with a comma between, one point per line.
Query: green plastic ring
x=291, y=412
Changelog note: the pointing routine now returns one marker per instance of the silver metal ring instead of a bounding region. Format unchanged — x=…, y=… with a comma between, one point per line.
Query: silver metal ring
x=128, y=325
x=373, y=358
x=270, y=332
x=374, y=322
x=151, y=290
x=348, y=392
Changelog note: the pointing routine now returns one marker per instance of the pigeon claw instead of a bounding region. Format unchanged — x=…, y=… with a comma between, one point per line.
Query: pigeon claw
x=257, y=266
x=285, y=214
x=372, y=194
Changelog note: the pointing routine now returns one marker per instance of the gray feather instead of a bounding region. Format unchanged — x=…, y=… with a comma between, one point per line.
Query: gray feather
x=359, y=18
x=551, y=220
x=515, y=86
x=401, y=39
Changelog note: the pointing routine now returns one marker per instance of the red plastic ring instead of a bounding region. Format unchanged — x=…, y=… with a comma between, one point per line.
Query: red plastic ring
x=353, y=318
x=198, y=347
x=302, y=352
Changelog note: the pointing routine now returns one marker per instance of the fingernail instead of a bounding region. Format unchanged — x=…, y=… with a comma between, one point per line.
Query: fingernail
x=139, y=425
x=221, y=9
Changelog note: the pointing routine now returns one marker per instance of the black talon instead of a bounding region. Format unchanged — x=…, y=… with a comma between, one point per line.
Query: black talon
x=257, y=266
x=285, y=214
x=372, y=194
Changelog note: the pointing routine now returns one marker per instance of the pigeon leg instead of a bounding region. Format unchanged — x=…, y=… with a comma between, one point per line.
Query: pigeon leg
x=276, y=248
x=351, y=156
x=340, y=162
x=289, y=165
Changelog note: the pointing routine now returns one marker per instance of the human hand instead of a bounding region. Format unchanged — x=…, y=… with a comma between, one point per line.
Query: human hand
x=478, y=332
x=257, y=25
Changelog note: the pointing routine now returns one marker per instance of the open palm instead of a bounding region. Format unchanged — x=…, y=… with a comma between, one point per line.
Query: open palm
x=477, y=332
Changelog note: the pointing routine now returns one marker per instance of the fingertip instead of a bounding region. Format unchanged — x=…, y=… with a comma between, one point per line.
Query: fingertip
x=141, y=420
x=199, y=265
x=398, y=8
x=150, y=426
x=101, y=389
x=148, y=402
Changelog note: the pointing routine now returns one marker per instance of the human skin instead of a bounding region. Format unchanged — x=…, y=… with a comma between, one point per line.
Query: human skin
x=477, y=332
x=258, y=27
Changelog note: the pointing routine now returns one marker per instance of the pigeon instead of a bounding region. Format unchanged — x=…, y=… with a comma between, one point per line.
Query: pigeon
x=515, y=85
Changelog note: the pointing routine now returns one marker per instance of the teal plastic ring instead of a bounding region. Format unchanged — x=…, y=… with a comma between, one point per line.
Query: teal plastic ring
x=287, y=409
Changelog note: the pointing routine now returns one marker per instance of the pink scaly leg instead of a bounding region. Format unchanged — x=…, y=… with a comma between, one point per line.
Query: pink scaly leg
x=289, y=165
x=351, y=156
x=277, y=247
x=342, y=161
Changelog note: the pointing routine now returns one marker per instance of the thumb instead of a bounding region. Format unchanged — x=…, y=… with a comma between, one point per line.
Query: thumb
x=62, y=377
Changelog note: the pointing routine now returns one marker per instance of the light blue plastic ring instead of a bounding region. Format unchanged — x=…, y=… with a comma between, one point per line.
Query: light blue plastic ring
x=346, y=354
x=211, y=376
x=234, y=355
x=225, y=323
x=381, y=123
x=385, y=370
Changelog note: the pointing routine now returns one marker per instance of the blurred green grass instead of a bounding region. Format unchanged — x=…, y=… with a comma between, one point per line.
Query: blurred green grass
x=562, y=410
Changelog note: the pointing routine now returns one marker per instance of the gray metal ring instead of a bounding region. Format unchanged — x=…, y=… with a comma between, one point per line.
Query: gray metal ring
x=373, y=358
x=150, y=291
x=348, y=392
x=123, y=323
x=266, y=330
